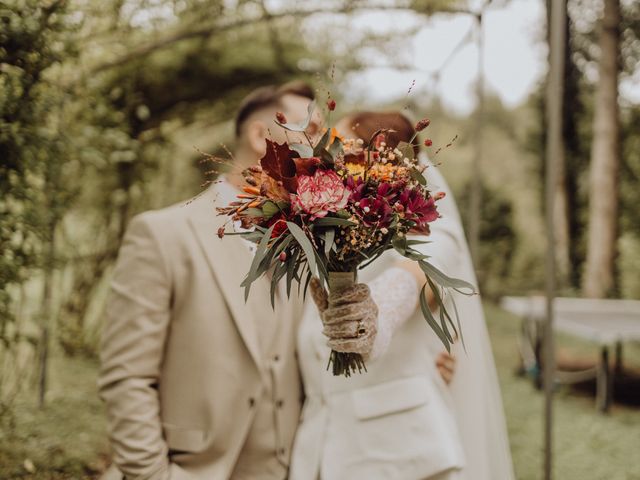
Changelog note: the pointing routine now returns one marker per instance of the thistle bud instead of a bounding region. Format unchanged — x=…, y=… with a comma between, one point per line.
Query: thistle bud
x=331, y=104
x=282, y=257
x=439, y=195
x=280, y=117
x=221, y=232
x=428, y=142
x=422, y=124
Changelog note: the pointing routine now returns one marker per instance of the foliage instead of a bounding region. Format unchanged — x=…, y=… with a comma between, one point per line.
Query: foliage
x=29, y=45
x=85, y=146
x=496, y=234
x=579, y=84
x=68, y=440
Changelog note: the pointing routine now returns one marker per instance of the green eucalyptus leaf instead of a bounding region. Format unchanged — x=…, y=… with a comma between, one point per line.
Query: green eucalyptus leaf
x=406, y=149
x=322, y=144
x=444, y=314
x=306, y=285
x=300, y=127
x=304, y=150
x=305, y=243
x=291, y=268
x=455, y=311
x=332, y=222
x=400, y=244
x=411, y=242
x=255, y=264
x=255, y=212
x=446, y=281
x=417, y=176
x=428, y=316
x=329, y=238
x=336, y=147
x=325, y=156
x=269, y=209
x=278, y=272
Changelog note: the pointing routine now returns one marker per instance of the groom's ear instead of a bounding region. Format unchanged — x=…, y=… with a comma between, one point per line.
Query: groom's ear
x=256, y=132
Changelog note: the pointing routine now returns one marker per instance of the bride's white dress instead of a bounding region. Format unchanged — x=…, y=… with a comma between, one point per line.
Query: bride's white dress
x=399, y=420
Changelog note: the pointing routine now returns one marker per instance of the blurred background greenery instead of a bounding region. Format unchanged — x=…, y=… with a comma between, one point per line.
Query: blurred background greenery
x=103, y=105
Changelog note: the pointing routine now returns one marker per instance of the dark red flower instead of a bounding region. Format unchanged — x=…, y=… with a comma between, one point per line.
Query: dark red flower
x=279, y=223
x=283, y=256
x=331, y=104
x=417, y=207
x=356, y=186
x=386, y=191
x=375, y=211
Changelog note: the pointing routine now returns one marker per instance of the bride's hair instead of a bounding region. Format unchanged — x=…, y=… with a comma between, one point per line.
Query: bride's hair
x=269, y=96
x=365, y=123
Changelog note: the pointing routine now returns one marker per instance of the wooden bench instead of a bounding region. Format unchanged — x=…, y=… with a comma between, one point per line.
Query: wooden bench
x=607, y=323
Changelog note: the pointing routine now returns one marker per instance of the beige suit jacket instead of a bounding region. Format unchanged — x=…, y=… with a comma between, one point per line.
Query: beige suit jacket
x=182, y=368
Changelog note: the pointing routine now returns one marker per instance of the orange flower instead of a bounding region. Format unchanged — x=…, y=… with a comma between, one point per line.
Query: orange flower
x=386, y=171
x=334, y=135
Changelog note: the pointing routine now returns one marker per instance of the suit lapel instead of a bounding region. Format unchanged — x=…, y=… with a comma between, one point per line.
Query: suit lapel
x=229, y=261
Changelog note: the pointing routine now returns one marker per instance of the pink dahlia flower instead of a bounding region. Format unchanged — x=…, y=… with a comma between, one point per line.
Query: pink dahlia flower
x=320, y=194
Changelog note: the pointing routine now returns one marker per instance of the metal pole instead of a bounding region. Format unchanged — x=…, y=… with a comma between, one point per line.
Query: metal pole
x=557, y=20
x=476, y=180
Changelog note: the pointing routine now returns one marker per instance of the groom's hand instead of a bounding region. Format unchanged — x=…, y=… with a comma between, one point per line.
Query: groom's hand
x=349, y=316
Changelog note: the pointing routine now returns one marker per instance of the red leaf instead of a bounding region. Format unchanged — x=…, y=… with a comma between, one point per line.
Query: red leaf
x=278, y=164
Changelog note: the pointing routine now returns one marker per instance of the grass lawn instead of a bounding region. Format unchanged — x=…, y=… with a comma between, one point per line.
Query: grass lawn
x=588, y=445
x=67, y=439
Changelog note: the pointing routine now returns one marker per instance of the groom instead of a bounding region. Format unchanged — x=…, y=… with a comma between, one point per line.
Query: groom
x=199, y=384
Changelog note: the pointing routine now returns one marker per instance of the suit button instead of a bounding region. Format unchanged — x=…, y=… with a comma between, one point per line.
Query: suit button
x=280, y=403
x=252, y=402
x=276, y=358
x=281, y=451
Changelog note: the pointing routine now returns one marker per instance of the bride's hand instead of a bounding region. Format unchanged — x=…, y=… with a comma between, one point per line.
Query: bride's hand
x=349, y=316
x=446, y=364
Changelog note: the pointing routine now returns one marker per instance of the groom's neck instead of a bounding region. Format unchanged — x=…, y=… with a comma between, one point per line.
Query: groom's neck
x=243, y=158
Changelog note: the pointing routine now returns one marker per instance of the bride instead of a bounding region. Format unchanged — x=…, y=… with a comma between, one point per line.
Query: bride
x=400, y=420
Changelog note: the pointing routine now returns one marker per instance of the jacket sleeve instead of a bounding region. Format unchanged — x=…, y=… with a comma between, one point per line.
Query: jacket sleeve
x=137, y=321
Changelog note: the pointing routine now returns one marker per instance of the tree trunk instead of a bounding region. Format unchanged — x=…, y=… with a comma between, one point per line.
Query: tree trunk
x=47, y=306
x=561, y=219
x=599, y=279
x=561, y=212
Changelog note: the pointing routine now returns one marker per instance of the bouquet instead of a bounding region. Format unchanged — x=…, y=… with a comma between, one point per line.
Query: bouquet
x=332, y=207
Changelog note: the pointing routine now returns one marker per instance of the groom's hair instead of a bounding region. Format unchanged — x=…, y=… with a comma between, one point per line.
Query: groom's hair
x=269, y=96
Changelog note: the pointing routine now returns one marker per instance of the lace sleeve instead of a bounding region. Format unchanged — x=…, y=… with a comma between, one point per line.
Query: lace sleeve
x=395, y=292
